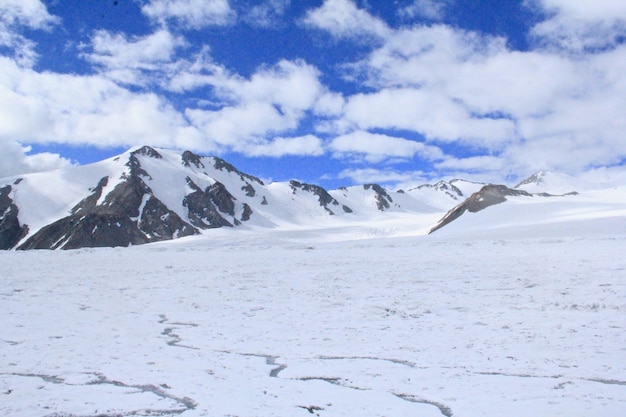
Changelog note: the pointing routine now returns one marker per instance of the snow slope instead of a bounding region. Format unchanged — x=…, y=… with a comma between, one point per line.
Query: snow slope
x=145, y=188
x=594, y=211
x=284, y=322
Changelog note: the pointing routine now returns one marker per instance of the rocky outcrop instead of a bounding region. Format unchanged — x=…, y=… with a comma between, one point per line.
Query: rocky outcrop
x=446, y=187
x=323, y=197
x=221, y=165
x=11, y=231
x=129, y=215
x=202, y=210
x=383, y=199
x=488, y=196
x=189, y=158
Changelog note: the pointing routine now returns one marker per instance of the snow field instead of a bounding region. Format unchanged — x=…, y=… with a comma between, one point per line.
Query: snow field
x=289, y=323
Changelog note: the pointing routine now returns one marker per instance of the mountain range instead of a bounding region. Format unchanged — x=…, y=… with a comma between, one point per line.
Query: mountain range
x=148, y=195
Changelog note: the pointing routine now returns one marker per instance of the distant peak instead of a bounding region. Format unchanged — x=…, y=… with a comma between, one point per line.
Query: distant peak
x=147, y=151
x=536, y=178
x=192, y=158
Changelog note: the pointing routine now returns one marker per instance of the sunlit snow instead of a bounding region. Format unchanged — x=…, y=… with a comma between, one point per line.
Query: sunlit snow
x=368, y=319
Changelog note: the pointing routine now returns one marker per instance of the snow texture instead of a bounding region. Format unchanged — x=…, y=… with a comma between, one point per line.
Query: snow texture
x=371, y=319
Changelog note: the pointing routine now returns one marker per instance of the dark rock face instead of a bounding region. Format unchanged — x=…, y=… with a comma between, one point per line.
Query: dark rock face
x=247, y=213
x=148, y=151
x=249, y=189
x=382, y=198
x=324, y=198
x=488, y=196
x=223, y=200
x=189, y=158
x=220, y=164
x=10, y=229
x=129, y=215
x=447, y=187
x=202, y=211
x=90, y=230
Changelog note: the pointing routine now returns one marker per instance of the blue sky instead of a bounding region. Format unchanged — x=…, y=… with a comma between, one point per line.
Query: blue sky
x=334, y=92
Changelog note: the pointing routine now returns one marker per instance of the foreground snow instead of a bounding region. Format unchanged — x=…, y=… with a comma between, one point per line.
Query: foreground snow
x=290, y=323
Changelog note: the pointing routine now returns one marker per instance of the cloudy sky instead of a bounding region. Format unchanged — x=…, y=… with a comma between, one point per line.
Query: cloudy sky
x=333, y=92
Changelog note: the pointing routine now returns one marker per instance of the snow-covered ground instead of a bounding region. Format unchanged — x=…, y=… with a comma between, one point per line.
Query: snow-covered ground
x=357, y=320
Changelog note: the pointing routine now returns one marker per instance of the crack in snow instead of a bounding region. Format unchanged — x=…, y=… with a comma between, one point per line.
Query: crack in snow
x=186, y=403
x=175, y=339
x=445, y=410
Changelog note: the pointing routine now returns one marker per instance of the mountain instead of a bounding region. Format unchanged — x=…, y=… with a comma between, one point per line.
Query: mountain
x=148, y=195
x=553, y=183
x=497, y=207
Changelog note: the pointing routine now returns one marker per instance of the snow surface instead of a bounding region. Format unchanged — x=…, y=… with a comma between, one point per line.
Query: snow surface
x=356, y=319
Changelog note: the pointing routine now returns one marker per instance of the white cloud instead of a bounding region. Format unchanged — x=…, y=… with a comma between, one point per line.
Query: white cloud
x=343, y=19
x=65, y=108
x=428, y=112
x=273, y=101
x=429, y=9
x=376, y=147
x=18, y=13
x=302, y=145
x=473, y=163
x=579, y=25
x=517, y=110
x=194, y=14
x=238, y=127
x=382, y=176
x=31, y=13
x=126, y=60
x=267, y=14
x=16, y=161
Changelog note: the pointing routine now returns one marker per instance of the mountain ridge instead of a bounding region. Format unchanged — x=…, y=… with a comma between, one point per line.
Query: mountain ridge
x=150, y=194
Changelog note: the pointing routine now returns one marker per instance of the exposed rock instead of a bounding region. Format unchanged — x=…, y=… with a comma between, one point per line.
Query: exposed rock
x=220, y=164
x=447, y=187
x=91, y=200
x=223, y=200
x=488, y=196
x=323, y=197
x=90, y=230
x=190, y=158
x=382, y=198
x=10, y=229
x=129, y=215
x=202, y=211
x=147, y=151
x=247, y=212
x=249, y=189
x=536, y=178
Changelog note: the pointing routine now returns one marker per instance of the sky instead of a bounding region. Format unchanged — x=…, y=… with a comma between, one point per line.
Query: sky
x=334, y=92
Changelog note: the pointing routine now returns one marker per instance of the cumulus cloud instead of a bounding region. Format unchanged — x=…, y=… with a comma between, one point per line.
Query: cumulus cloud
x=192, y=14
x=31, y=13
x=523, y=110
x=376, y=147
x=17, y=161
x=429, y=9
x=579, y=25
x=66, y=108
x=308, y=145
x=343, y=19
x=382, y=176
x=126, y=60
x=16, y=14
x=267, y=14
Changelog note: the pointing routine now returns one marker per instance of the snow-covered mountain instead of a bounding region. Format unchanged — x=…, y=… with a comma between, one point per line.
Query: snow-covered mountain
x=147, y=195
